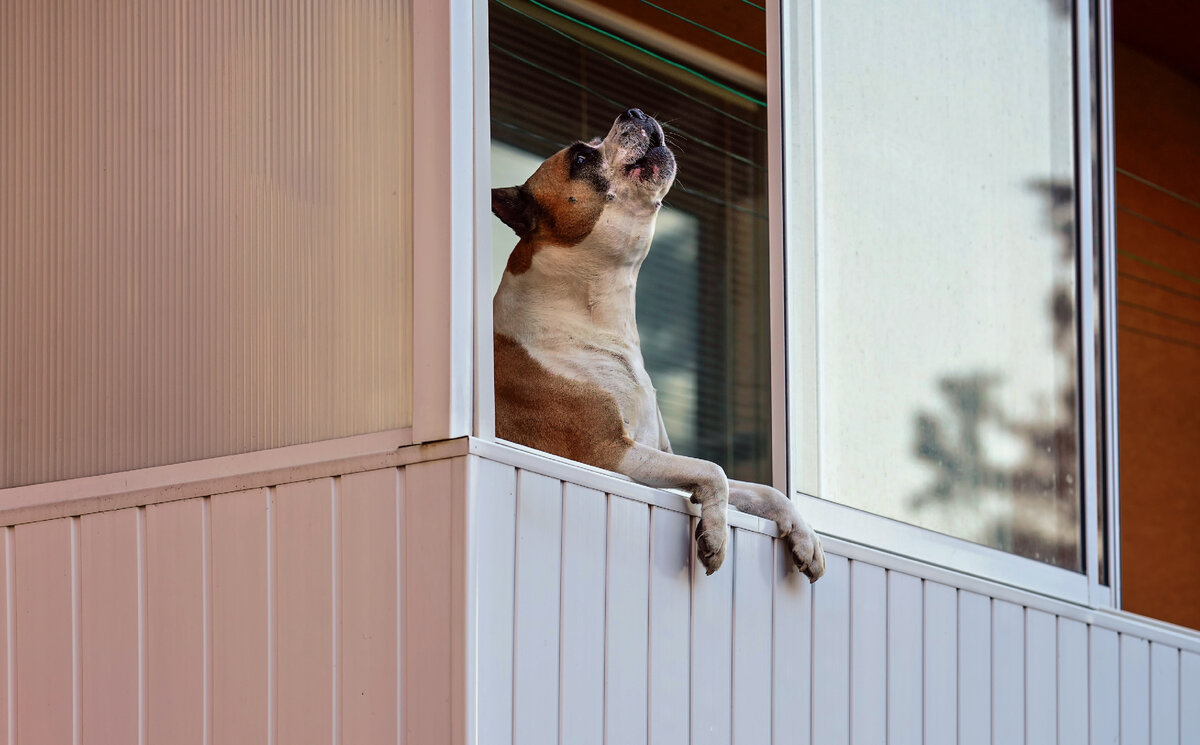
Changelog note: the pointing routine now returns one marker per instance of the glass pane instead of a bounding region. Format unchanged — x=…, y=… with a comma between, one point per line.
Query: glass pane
x=703, y=297
x=946, y=268
x=204, y=251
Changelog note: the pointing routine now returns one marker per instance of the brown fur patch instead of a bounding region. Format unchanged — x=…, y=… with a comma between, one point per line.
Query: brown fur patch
x=558, y=221
x=543, y=410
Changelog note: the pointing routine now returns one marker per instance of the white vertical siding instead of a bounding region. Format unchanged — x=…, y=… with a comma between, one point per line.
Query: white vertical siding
x=1041, y=676
x=1135, y=690
x=831, y=655
x=581, y=669
x=496, y=516
x=868, y=654
x=626, y=636
x=753, y=568
x=712, y=652
x=337, y=609
x=905, y=649
x=536, y=650
x=941, y=664
x=792, y=653
x=1189, y=698
x=974, y=668
x=1072, y=661
x=1008, y=672
x=670, y=626
x=1104, y=686
x=1164, y=695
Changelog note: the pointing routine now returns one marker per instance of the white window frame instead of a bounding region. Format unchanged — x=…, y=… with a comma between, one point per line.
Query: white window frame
x=463, y=76
x=795, y=47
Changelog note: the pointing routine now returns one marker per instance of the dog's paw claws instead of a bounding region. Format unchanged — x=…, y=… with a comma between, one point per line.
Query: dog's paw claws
x=712, y=536
x=807, y=553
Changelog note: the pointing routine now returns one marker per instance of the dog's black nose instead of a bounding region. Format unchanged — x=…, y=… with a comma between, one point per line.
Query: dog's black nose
x=636, y=115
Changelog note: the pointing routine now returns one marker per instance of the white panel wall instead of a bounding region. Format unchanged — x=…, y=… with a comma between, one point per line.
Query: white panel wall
x=651, y=650
x=465, y=600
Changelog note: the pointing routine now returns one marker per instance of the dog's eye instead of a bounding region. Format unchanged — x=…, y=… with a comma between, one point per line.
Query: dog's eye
x=580, y=158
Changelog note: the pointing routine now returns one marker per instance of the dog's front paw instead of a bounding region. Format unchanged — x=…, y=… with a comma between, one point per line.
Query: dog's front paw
x=712, y=536
x=806, y=550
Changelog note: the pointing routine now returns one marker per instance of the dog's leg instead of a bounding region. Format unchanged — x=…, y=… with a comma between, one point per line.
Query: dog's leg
x=707, y=484
x=765, y=502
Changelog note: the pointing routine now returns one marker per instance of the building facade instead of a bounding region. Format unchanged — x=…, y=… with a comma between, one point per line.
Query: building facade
x=251, y=490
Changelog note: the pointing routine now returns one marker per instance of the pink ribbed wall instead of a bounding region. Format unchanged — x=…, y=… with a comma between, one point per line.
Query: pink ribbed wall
x=268, y=615
x=203, y=227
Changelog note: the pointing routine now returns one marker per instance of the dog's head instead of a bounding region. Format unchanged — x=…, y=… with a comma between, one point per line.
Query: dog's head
x=600, y=196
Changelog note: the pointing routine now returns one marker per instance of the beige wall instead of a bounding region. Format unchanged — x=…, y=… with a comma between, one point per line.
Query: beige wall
x=203, y=230
x=1158, y=228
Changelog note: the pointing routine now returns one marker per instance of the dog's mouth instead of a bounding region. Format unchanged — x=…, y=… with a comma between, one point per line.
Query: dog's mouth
x=655, y=163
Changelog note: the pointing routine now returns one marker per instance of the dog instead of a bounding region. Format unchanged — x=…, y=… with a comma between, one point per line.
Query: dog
x=569, y=374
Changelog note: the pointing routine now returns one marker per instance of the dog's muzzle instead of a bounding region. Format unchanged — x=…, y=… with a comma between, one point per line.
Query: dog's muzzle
x=649, y=160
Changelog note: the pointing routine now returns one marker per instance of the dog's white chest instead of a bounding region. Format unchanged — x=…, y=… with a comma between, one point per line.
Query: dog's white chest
x=619, y=370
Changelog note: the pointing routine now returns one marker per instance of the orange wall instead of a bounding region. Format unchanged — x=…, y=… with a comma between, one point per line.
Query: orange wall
x=1158, y=240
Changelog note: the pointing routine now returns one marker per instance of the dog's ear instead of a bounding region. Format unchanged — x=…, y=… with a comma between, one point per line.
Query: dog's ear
x=515, y=208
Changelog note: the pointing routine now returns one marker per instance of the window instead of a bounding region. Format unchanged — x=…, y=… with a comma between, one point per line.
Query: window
x=562, y=73
x=941, y=242
x=933, y=257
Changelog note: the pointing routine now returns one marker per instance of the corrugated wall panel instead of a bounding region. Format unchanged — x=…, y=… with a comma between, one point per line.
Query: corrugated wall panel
x=868, y=653
x=42, y=595
x=213, y=619
x=1164, y=695
x=670, y=632
x=206, y=239
x=496, y=514
x=1189, y=691
x=712, y=652
x=241, y=616
x=1072, y=682
x=109, y=668
x=177, y=623
x=536, y=614
x=305, y=598
x=974, y=667
x=941, y=664
x=368, y=611
x=1135, y=690
x=1008, y=672
x=6, y=634
x=753, y=567
x=1041, y=678
x=326, y=611
x=831, y=654
x=1104, y=693
x=626, y=638
x=904, y=663
x=792, y=652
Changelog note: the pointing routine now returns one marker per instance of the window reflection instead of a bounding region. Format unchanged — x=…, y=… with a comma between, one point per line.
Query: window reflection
x=946, y=269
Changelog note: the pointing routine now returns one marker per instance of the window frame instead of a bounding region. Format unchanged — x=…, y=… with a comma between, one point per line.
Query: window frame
x=795, y=446
x=796, y=48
